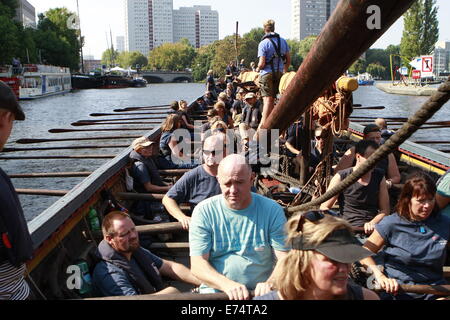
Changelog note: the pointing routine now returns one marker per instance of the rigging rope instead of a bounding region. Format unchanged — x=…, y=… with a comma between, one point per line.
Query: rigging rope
x=434, y=103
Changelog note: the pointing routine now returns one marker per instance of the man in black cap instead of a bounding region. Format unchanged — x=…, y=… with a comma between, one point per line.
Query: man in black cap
x=15, y=241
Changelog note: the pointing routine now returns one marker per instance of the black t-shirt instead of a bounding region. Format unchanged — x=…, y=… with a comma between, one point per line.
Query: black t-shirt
x=13, y=222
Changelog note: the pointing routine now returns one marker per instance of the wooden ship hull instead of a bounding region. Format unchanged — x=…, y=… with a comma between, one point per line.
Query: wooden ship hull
x=62, y=235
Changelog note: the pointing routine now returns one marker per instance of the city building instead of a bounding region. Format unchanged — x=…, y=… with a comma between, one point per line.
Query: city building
x=150, y=23
x=26, y=14
x=137, y=26
x=308, y=17
x=441, y=58
x=198, y=24
x=160, y=13
x=120, y=43
x=92, y=64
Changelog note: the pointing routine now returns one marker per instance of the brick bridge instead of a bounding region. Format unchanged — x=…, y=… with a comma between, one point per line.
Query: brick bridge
x=167, y=76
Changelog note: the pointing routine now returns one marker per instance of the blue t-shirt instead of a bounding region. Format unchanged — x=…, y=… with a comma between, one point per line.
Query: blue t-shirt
x=443, y=189
x=266, y=49
x=414, y=251
x=240, y=243
x=110, y=280
x=194, y=186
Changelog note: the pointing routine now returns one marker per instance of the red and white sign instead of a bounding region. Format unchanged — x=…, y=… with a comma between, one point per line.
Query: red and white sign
x=427, y=66
x=416, y=74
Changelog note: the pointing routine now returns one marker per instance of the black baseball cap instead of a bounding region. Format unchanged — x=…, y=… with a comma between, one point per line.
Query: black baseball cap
x=340, y=245
x=8, y=101
x=371, y=128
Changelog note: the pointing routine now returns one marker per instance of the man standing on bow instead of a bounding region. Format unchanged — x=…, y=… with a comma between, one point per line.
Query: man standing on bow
x=274, y=60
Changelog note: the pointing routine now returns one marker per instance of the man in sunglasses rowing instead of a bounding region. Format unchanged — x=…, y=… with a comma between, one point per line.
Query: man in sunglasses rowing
x=199, y=183
x=236, y=237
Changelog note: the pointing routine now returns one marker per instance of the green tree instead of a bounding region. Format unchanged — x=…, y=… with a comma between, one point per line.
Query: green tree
x=57, y=43
x=9, y=42
x=224, y=54
x=430, y=26
x=248, y=46
x=131, y=59
x=305, y=46
x=296, y=58
x=8, y=8
x=203, y=61
x=376, y=70
x=358, y=67
x=172, y=56
x=421, y=30
x=110, y=57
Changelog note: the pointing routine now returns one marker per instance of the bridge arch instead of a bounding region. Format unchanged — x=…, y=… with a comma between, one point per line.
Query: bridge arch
x=182, y=79
x=153, y=79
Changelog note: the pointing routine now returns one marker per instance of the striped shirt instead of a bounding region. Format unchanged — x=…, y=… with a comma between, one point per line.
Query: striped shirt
x=12, y=282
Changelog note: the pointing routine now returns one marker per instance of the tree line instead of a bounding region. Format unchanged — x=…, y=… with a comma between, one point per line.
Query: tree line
x=52, y=42
x=420, y=34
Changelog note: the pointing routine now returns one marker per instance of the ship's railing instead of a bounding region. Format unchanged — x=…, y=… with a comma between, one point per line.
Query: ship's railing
x=44, y=68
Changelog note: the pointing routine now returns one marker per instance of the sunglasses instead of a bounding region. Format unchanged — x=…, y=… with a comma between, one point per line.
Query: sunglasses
x=314, y=216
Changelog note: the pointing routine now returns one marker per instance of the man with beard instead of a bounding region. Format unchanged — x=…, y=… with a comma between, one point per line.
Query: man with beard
x=125, y=268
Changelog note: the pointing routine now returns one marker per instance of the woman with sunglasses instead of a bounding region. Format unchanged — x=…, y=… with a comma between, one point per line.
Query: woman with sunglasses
x=414, y=239
x=317, y=267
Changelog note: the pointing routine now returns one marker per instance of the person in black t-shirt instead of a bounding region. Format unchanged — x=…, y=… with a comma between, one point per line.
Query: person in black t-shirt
x=15, y=241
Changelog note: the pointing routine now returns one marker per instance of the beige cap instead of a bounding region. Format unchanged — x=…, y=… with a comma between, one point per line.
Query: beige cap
x=250, y=95
x=141, y=142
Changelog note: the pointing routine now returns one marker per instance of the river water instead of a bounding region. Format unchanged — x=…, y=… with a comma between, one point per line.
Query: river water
x=60, y=111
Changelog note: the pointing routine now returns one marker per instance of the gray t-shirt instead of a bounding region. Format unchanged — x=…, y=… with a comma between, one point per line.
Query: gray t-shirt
x=194, y=186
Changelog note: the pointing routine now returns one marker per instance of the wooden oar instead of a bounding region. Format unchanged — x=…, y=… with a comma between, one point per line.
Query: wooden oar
x=43, y=192
x=445, y=151
x=430, y=127
x=127, y=114
x=79, y=124
x=369, y=108
x=140, y=108
x=28, y=141
x=442, y=123
x=65, y=148
x=386, y=118
x=139, y=196
x=50, y=175
x=171, y=172
x=173, y=296
x=120, y=119
x=431, y=142
x=160, y=228
x=94, y=130
x=89, y=156
x=439, y=290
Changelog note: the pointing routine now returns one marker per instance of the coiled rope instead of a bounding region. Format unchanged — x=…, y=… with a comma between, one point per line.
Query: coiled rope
x=428, y=109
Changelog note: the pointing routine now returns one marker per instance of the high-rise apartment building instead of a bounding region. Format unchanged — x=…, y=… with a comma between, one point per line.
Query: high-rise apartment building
x=310, y=16
x=137, y=26
x=120, y=43
x=198, y=24
x=150, y=23
x=160, y=14
x=26, y=14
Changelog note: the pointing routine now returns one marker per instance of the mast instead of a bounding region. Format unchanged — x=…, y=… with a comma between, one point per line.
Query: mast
x=81, y=41
x=236, y=45
x=112, y=48
x=345, y=37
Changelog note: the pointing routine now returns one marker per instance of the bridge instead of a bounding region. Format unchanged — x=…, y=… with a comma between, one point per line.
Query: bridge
x=158, y=76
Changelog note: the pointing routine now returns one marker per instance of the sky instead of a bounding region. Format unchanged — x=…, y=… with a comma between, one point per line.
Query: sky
x=99, y=16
